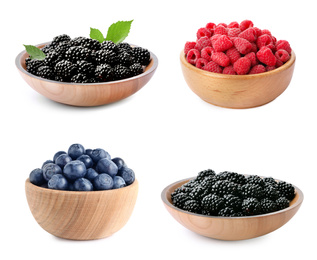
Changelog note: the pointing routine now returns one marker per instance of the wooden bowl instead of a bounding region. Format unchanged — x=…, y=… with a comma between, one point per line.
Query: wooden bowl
x=230, y=228
x=80, y=215
x=238, y=91
x=92, y=94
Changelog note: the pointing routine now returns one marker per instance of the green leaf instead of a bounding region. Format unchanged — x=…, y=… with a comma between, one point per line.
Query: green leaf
x=118, y=31
x=96, y=35
x=34, y=52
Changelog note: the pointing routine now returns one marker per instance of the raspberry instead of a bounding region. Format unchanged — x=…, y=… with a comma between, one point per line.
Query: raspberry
x=203, y=32
x=220, y=29
x=264, y=40
x=278, y=63
x=257, y=69
x=242, y=66
x=283, y=44
x=233, y=25
x=223, y=43
x=234, y=32
x=214, y=38
x=192, y=56
x=211, y=27
x=248, y=34
x=242, y=45
x=221, y=59
x=202, y=43
x=266, y=56
x=201, y=63
x=233, y=55
x=282, y=55
x=222, y=24
x=213, y=67
x=268, y=68
x=229, y=70
x=254, y=47
x=257, y=31
x=188, y=46
x=252, y=57
x=266, y=31
x=245, y=25
x=207, y=52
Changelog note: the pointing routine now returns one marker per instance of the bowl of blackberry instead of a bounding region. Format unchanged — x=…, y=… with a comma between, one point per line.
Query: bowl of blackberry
x=237, y=65
x=82, y=194
x=88, y=71
x=231, y=206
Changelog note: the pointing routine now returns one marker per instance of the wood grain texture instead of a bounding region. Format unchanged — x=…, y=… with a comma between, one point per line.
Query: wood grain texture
x=230, y=228
x=81, y=215
x=238, y=91
x=92, y=94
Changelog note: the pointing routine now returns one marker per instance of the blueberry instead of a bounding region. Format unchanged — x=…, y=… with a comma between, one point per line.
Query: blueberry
x=58, y=182
x=107, y=166
x=86, y=160
x=88, y=152
x=36, y=177
x=62, y=160
x=46, y=162
x=118, y=182
x=76, y=150
x=51, y=169
x=127, y=174
x=58, y=154
x=82, y=184
x=119, y=162
x=103, y=182
x=91, y=174
x=74, y=170
x=98, y=154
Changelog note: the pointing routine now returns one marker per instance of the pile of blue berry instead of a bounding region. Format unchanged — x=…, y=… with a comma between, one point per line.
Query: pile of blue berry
x=230, y=194
x=86, y=60
x=81, y=169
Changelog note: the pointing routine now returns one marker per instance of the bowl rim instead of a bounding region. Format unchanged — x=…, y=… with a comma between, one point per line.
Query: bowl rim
x=69, y=192
x=285, y=66
x=18, y=63
x=167, y=203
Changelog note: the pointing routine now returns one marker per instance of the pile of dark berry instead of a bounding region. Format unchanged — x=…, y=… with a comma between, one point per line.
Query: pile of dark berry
x=85, y=60
x=230, y=194
x=81, y=169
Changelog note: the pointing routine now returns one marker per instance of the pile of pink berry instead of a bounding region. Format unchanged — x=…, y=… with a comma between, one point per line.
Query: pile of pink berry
x=236, y=49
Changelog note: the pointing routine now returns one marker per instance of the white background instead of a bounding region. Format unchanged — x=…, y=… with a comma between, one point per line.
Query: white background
x=164, y=132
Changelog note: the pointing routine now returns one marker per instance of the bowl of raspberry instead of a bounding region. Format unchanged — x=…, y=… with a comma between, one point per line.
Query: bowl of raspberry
x=82, y=71
x=237, y=65
x=82, y=194
x=231, y=206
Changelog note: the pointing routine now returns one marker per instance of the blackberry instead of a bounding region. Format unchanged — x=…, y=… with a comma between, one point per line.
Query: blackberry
x=65, y=69
x=179, y=199
x=45, y=72
x=223, y=187
x=104, y=72
x=105, y=56
x=79, y=78
x=250, y=206
x=47, y=48
x=270, y=191
x=211, y=204
x=86, y=68
x=252, y=190
x=77, y=53
x=110, y=46
x=123, y=46
x=125, y=59
x=286, y=190
x=136, y=69
x=255, y=179
x=201, y=175
x=192, y=206
x=62, y=47
x=267, y=206
x=32, y=65
x=198, y=192
x=270, y=180
x=85, y=42
x=121, y=72
x=226, y=212
x=232, y=201
x=141, y=55
x=52, y=58
x=60, y=38
x=232, y=176
x=282, y=203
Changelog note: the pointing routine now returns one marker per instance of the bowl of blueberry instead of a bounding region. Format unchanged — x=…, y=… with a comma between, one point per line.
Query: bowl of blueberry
x=82, y=194
x=84, y=71
x=231, y=206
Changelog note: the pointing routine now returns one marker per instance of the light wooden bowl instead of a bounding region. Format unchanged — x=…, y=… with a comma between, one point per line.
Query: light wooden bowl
x=92, y=94
x=230, y=228
x=80, y=215
x=238, y=91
